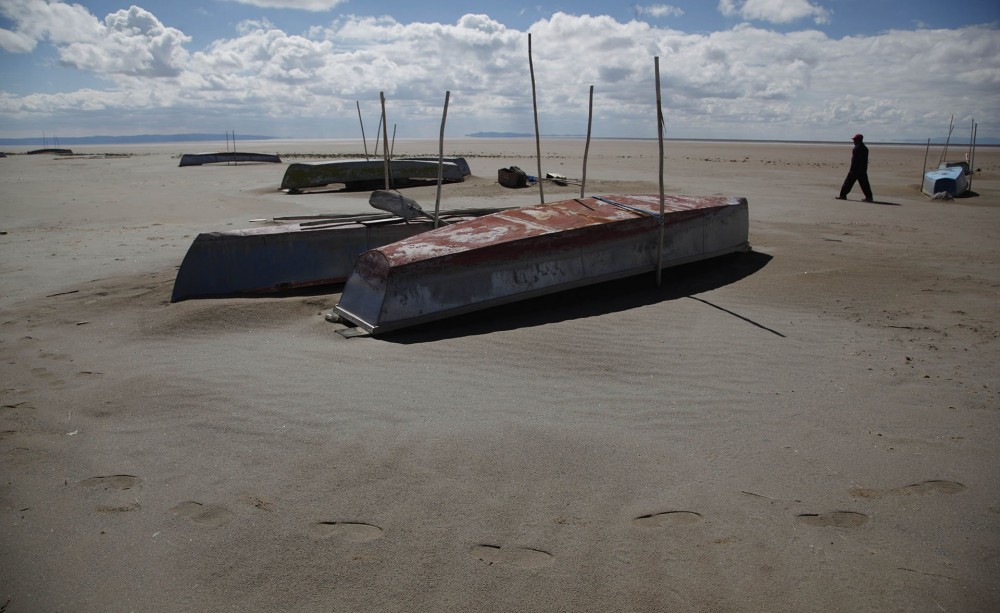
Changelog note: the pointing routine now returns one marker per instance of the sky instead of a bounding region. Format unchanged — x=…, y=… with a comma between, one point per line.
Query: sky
x=895, y=70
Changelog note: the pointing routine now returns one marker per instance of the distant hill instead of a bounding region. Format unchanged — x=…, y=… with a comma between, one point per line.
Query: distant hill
x=498, y=135
x=127, y=140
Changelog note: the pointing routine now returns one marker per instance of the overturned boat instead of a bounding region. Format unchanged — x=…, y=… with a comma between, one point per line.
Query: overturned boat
x=951, y=178
x=50, y=151
x=233, y=157
x=366, y=174
x=297, y=252
x=531, y=251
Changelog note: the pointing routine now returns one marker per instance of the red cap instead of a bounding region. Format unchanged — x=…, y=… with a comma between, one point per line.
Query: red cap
x=857, y=137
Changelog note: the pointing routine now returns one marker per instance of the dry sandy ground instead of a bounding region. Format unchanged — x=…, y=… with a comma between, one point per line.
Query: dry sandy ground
x=812, y=426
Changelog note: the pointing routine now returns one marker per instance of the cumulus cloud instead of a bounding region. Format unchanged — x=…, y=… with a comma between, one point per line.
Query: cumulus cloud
x=316, y=6
x=747, y=81
x=37, y=20
x=131, y=42
x=774, y=11
x=658, y=10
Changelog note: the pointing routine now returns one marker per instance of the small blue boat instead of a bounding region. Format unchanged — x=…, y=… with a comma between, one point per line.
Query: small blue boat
x=951, y=178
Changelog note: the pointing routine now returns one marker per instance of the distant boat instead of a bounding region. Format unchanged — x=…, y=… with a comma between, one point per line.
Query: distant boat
x=294, y=252
x=367, y=174
x=50, y=151
x=531, y=251
x=951, y=178
x=197, y=159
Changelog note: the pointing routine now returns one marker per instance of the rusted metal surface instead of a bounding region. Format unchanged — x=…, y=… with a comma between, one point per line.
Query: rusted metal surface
x=306, y=175
x=309, y=252
x=197, y=159
x=531, y=251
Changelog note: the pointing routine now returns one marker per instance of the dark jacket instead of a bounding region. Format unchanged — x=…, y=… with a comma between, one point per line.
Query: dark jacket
x=859, y=159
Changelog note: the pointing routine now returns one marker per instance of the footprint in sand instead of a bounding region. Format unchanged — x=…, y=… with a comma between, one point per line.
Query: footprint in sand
x=667, y=518
x=112, y=482
x=836, y=519
x=916, y=489
x=211, y=515
x=520, y=557
x=354, y=532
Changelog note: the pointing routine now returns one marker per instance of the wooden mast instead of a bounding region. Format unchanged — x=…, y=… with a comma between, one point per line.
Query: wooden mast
x=659, y=135
x=534, y=104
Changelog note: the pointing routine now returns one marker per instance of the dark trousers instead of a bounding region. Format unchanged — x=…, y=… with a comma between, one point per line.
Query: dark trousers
x=861, y=178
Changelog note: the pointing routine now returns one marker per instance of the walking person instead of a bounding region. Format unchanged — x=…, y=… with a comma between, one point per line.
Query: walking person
x=858, y=171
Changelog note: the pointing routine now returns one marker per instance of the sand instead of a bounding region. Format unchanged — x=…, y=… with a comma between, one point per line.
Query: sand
x=812, y=426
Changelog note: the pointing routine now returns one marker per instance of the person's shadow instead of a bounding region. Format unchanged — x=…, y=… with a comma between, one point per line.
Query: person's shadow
x=594, y=300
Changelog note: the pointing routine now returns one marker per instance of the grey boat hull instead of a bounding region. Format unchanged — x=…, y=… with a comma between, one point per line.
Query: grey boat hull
x=198, y=159
x=364, y=174
x=293, y=253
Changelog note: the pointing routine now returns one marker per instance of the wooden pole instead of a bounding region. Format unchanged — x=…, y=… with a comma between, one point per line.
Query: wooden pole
x=364, y=141
x=972, y=160
x=924, y=170
x=586, y=149
x=392, y=148
x=385, y=143
x=944, y=152
x=659, y=138
x=444, y=117
x=378, y=129
x=534, y=104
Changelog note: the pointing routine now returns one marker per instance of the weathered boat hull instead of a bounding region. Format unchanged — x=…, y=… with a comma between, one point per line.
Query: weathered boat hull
x=951, y=179
x=367, y=173
x=522, y=253
x=50, y=151
x=197, y=159
x=309, y=252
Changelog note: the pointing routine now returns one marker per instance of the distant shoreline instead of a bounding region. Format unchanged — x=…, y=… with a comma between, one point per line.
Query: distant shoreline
x=203, y=138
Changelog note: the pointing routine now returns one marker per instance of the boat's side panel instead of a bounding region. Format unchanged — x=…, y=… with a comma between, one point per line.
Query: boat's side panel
x=198, y=159
x=380, y=297
x=221, y=263
x=304, y=175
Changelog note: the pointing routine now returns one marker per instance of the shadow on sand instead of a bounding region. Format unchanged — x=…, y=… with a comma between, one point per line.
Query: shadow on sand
x=593, y=300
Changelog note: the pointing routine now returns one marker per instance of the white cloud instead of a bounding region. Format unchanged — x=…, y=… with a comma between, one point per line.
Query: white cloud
x=745, y=82
x=130, y=42
x=36, y=20
x=659, y=10
x=317, y=6
x=774, y=11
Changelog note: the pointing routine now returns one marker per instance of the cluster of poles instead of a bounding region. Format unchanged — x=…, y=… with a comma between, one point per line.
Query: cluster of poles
x=386, y=155
x=971, y=158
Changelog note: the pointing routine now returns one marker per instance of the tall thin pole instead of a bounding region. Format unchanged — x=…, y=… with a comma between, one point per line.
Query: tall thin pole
x=972, y=134
x=586, y=149
x=444, y=117
x=534, y=104
x=392, y=148
x=385, y=143
x=972, y=160
x=363, y=139
x=944, y=152
x=378, y=129
x=659, y=135
x=235, y=162
x=924, y=169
